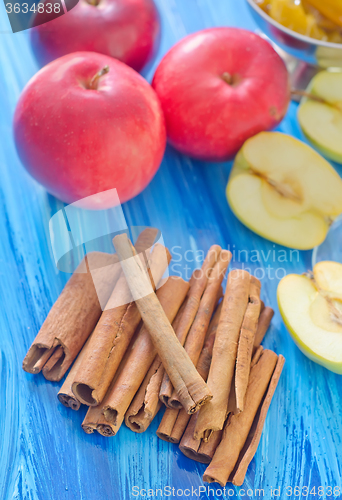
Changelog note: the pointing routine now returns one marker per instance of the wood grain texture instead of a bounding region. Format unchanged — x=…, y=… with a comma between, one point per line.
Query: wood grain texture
x=44, y=453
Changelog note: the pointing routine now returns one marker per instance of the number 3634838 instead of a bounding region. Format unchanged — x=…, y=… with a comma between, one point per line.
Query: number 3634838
x=25, y=8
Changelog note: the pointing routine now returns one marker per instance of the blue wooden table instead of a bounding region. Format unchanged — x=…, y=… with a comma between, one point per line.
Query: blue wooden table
x=43, y=451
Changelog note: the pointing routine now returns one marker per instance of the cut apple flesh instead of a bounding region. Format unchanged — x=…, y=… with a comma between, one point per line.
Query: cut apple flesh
x=328, y=277
x=326, y=314
x=322, y=122
x=285, y=191
x=313, y=318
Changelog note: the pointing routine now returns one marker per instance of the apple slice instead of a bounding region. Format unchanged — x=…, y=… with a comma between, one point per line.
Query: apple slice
x=284, y=190
x=313, y=315
x=321, y=122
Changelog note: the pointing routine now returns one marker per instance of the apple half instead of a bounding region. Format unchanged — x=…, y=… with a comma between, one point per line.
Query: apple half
x=284, y=190
x=321, y=122
x=311, y=307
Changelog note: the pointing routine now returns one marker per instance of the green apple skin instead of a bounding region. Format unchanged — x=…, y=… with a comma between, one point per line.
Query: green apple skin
x=327, y=152
x=329, y=365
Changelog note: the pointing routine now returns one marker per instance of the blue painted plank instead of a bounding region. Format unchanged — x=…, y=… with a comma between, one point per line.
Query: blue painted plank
x=44, y=453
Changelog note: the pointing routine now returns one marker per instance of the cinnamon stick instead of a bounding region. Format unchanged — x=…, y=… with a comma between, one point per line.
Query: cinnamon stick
x=201, y=450
x=246, y=340
x=65, y=394
x=200, y=280
x=75, y=313
x=254, y=436
x=72, y=318
x=188, y=383
x=238, y=426
x=94, y=419
x=195, y=339
x=190, y=446
x=166, y=389
x=146, y=404
x=112, y=335
x=174, y=422
x=207, y=449
x=90, y=422
x=140, y=355
x=256, y=356
x=264, y=322
x=198, y=450
x=213, y=415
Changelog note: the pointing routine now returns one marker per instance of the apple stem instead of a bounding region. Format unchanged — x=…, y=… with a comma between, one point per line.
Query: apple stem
x=227, y=77
x=313, y=97
x=95, y=3
x=232, y=80
x=94, y=81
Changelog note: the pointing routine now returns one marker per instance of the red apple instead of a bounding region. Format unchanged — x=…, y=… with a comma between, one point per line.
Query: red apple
x=125, y=29
x=217, y=88
x=79, y=134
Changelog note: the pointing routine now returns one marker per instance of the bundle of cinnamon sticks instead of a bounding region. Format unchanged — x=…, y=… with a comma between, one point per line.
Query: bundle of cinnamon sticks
x=186, y=346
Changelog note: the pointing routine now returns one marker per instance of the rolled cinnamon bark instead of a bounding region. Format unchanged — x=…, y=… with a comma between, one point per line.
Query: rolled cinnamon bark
x=246, y=341
x=90, y=422
x=238, y=426
x=200, y=280
x=256, y=355
x=146, y=403
x=213, y=415
x=174, y=422
x=94, y=419
x=140, y=356
x=172, y=425
x=65, y=394
x=200, y=450
x=195, y=339
x=254, y=436
x=190, y=446
x=264, y=322
x=72, y=318
x=195, y=449
x=188, y=383
x=207, y=449
x=112, y=335
x=75, y=313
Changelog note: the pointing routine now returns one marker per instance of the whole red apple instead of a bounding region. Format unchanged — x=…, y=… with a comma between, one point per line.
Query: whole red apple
x=125, y=29
x=79, y=133
x=217, y=88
